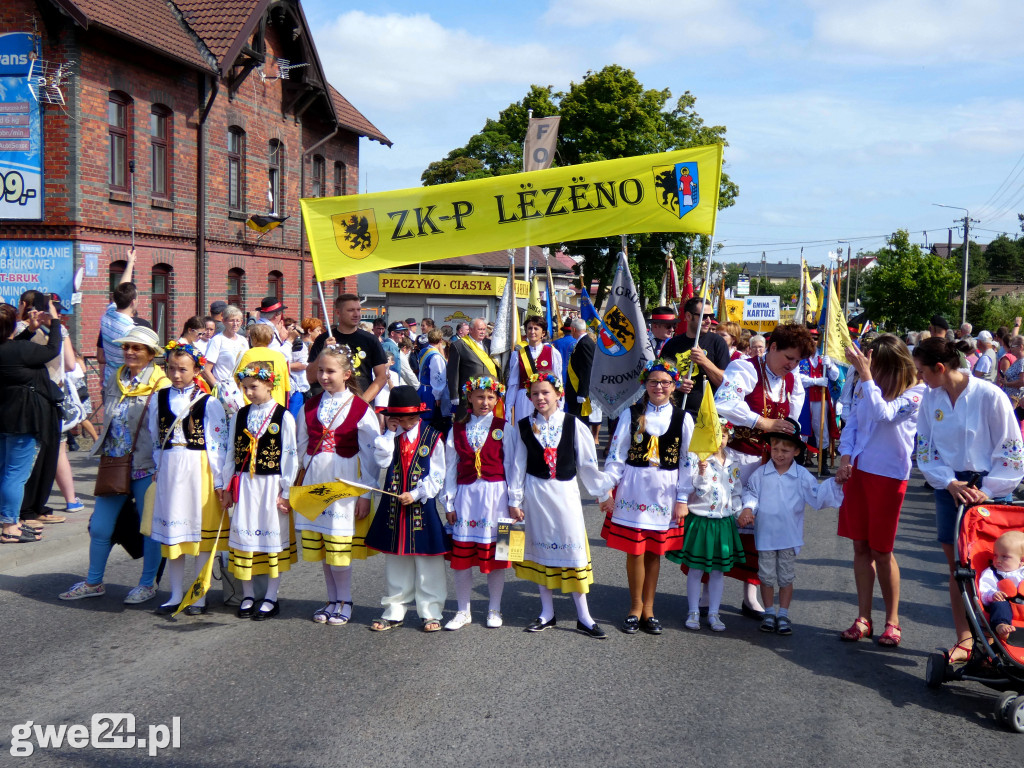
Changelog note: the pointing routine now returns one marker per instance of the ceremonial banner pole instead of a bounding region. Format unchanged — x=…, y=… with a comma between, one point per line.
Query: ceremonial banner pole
x=703, y=299
x=323, y=305
x=822, y=439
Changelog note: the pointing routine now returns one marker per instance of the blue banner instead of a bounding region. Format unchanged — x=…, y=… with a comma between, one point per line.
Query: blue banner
x=21, y=135
x=40, y=265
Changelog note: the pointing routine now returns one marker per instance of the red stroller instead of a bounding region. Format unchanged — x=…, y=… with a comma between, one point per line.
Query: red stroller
x=992, y=662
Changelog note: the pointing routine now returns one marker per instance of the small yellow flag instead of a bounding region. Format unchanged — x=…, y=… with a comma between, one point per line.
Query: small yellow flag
x=534, y=307
x=811, y=299
x=311, y=500
x=837, y=335
x=201, y=585
x=707, y=433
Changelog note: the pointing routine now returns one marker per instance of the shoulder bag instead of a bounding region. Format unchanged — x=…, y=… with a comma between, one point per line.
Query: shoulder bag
x=114, y=477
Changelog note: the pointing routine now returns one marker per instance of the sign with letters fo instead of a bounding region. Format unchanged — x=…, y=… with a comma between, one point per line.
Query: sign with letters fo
x=667, y=192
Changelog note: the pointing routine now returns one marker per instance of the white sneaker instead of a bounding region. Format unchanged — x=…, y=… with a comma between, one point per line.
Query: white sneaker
x=715, y=622
x=140, y=594
x=493, y=619
x=81, y=589
x=693, y=620
x=461, y=619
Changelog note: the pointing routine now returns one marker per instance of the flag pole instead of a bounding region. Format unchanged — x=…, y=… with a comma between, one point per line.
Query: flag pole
x=703, y=301
x=822, y=438
x=323, y=305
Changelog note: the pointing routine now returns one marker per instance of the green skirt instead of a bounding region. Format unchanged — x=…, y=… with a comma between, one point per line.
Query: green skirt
x=709, y=544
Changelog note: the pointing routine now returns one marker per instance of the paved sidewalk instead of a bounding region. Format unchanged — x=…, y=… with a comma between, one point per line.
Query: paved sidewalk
x=63, y=537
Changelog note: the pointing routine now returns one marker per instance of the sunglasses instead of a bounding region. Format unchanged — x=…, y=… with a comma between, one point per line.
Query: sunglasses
x=134, y=348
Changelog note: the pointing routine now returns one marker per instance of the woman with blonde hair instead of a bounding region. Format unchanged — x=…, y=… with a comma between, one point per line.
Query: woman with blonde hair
x=875, y=456
x=733, y=335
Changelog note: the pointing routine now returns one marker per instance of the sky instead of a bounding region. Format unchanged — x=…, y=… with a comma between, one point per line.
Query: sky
x=845, y=121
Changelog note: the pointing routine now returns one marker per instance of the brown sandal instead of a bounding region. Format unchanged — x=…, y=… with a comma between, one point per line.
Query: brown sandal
x=855, y=632
x=892, y=636
x=968, y=649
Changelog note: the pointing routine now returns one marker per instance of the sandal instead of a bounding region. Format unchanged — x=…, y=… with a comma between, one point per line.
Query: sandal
x=431, y=625
x=339, y=618
x=384, y=625
x=22, y=537
x=892, y=636
x=321, y=615
x=855, y=632
x=968, y=649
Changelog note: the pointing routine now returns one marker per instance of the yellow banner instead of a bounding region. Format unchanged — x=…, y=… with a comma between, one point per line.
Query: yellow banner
x=707, y=432
x=666, y=192
x=837, y=334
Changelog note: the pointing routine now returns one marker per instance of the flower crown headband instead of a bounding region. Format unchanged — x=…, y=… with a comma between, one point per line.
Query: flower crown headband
x=551, y=379
x=483, y=382
x=255, y=371
x=661, y=364
x=189, y=350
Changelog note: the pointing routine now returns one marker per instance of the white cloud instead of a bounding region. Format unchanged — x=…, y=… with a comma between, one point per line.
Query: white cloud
x=392, y=63
x=919, y=31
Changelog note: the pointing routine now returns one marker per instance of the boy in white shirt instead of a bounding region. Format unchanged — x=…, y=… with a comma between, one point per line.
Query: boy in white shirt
x=773, y=501
x=999, y=584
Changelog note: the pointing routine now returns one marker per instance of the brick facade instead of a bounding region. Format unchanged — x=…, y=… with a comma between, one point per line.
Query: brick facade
x=81, y=205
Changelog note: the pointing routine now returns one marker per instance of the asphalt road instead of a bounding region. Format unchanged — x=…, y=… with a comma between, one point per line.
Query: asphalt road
x=290, y=692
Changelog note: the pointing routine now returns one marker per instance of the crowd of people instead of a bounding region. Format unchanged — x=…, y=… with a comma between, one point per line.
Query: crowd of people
x=209, y=444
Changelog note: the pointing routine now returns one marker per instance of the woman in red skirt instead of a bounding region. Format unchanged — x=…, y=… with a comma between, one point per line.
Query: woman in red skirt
x=644, y=518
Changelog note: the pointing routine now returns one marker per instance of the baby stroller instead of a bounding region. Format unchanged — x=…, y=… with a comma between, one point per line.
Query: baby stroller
x=992, y=662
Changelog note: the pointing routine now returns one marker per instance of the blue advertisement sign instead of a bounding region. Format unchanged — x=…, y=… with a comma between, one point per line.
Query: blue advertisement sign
x=21, y=134
x=41, y=265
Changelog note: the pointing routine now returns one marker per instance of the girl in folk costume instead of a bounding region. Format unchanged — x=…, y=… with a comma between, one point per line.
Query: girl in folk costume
x=190, y=439
x=406, y=526
x=476, y=495
x=335, y=441
x=262, y=456
x=815, y=374
x=712, y=542
x=549, y=448
x=756, y=396
x=646, y=461
x=535, y=357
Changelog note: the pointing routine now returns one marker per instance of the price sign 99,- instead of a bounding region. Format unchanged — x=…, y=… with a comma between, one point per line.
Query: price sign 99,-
x=14, y=190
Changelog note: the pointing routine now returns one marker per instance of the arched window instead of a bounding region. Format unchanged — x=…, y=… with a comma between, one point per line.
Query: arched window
x=236, y=168
x=275, y=178
x=275, y=285
x=319, y=176
x=161, y=299
x=340, y=179
x=161, y=129
x=119, y=131
x=236, y=288
x=117, y=269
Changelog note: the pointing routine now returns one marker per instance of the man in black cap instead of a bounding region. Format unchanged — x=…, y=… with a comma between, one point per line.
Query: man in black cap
x=271, y=311
x=217, y=313
x=396, y=332
x=469, y=356
x=662, y=321
x=711, y=355
x=939, y=327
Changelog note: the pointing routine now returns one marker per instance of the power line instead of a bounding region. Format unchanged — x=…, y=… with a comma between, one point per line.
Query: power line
x=1006, y=183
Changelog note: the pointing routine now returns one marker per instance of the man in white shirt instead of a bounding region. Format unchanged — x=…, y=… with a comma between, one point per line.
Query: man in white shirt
x=985, y=365
x=271, y=312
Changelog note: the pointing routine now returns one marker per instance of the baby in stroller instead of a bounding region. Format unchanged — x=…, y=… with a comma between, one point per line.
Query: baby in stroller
x=999, y=586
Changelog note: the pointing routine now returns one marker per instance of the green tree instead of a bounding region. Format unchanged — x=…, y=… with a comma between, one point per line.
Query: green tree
x=607, y=115
x=908, y=286
x=977, y=264
x=1005, y=260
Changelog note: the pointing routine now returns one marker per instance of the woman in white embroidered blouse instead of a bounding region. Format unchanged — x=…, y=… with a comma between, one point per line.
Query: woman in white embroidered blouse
x=965, y=427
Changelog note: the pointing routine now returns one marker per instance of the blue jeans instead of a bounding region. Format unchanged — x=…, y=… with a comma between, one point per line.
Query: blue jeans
x=101, y=528
x=17, y=455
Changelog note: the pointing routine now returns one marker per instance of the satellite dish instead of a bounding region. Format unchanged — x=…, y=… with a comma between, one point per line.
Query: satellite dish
x=79, y=274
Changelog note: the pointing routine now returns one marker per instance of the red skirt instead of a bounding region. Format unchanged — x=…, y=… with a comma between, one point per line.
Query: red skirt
x=638, y=541
x=469, y=554
x=747, y=570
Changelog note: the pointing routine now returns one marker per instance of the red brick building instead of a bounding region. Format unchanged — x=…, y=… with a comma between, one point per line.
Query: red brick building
x=223, y=110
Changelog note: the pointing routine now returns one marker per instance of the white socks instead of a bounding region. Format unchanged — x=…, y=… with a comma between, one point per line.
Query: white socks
x=547, y=605
x=463, y=588
x=495, y=586
x=176, y=576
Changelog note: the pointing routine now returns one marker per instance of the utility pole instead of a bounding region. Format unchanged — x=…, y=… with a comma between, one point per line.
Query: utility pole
x=967, y=225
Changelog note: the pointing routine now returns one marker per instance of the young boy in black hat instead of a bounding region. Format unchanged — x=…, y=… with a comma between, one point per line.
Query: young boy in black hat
x=774, y=501
x=407, y=527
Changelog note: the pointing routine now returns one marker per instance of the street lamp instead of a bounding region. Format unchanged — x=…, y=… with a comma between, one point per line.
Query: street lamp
x=967, y=224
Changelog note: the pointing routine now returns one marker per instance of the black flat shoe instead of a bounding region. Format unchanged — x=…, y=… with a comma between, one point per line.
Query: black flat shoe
x=166, y=609
x=260, y=614
x=246, y=612
x=595, y=631
x=195, y=610
x=631, y=624
x=651, y=626
x=750, y=613
x=539, y=626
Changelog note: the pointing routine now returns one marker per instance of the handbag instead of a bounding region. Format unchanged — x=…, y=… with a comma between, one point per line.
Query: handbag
x=114, y=477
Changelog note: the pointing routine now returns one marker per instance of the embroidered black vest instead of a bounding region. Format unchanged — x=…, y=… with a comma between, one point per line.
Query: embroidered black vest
x=268, y=447
x=191, y=425
x=640, y=442
x=565, y=456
